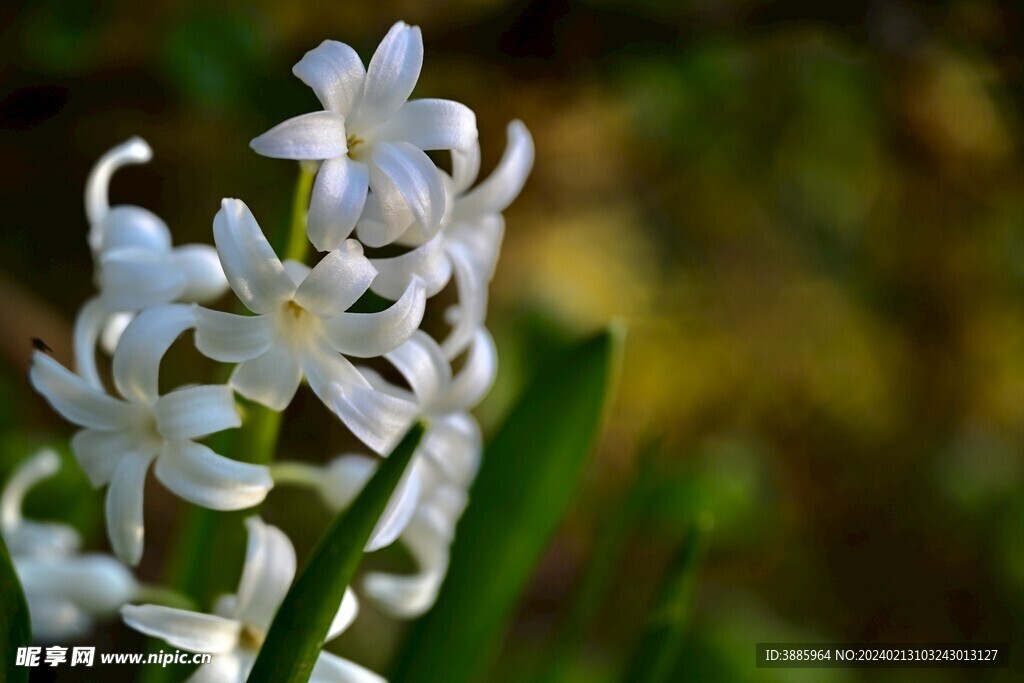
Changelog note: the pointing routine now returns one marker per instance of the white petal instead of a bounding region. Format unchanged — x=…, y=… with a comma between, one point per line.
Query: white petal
x=454, y=444
x=267, y=575
x=347, y=613
x=28, y=473
x=74, y=398
x=339, y=194
x=428, y=262
x=471, y=283
x=406, y=182
x=204, y=478
x=336, y=282
x=113, y=329
x=99, y=453
x=251, y=266
x=97, y=583
x=124, y=508
x=476, y=377
x=196, y=411
x=344, y=477
x=323, y=367
x=190, y=631
x=408, y=596
x=423, y=365
x=465, y=167
x=333, y=669
x=227, y=667
x=431, y=124
x=335, y=73
x=232, y=338
x=366, y=335
x=133, y=278
x=480, y=240
x=271, y=379
x=296, y=271
x=129, y=226
x=133, y=151
x=375, y=418
x=55, y=620
x=90, y=320
x=504, y=184
x=309, y=137
x=391, y=76
x=142, y=346
x=204, y=276
x=398, y=512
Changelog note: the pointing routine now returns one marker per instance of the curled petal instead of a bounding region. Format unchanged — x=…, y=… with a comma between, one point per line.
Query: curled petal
x=504, y=184
x=309, y=137
x=454, y=444
x=100, y=453
x=432, y=124
x=23, y=536
x=190, y=631
x=132, y=151
x=113, y=329
x=366, y=335
x=471, y=282
x=193, y=412
x=127, y=227
x=424, y=367
x=409, y=596
x=88, y=325
x=477, y=376
x=270, y=379
x=336, y=282
x=347, y=613
x=391, y=76
x=98, y=584
x=133, y=278
x=204, y=276
x=465, y=167
x=428, y=262
x=375, y=418
x=205, y=478
x=406, y=184
x=124, y=508
x=335, y=73
x=333, y=669
x=142, y=346
x=339, y=195
x=250, y=264
x=74, y=398
x=232, y=338
x=267, y=575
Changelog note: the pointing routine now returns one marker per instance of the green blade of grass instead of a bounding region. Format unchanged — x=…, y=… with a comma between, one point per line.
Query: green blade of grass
x=302, y=621
x=15, y=627
x=524, y=487
x=656, y=654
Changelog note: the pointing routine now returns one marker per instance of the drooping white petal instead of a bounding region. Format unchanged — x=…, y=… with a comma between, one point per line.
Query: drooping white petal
x=391, y=76
x=331, y=668
x=113, y=329
x=205, y=478
x=250, y=264
x=96, y=583
x=193, y=412
x=476, y=377
x=504, y=184
x=190, y=631
x=428, y=262
x=132, y=151
x=480, y=240
x=431, y=124
x=30, y=472
x=454, y=444
x=226, y=667
x=267, y=575
x=339, y=194
x=74, y=398
x=99, y=453
x=143, y=344
x=232, y=338
x=375, y=418
x=132, y=278
x=88, y=323
x=423, y=365
x=124, y=508
x=271, y=379
x=308, y=137
x=366, y=335
x=204, y=276
x=347, y=613
x=465, y=167
x=471, y=283
x=406, y=183
x=336, y=282
x=409, y=596
x=335, y=73
x=127, y=226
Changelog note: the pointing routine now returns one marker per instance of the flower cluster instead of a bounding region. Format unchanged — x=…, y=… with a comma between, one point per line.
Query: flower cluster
x=375, y=187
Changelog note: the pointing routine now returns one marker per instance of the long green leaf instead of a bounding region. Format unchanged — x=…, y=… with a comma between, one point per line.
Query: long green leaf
x=304, y=618
x=527, y=480
x=658, y=650
x=15, y=628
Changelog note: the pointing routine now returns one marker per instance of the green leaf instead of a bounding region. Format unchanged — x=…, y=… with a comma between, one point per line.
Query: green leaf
x=15, y=628
x=525, y=485
x=658, y=650
x=301, y=623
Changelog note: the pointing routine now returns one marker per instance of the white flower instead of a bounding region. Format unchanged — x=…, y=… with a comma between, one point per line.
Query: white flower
x=65, y=590
x=122, y=437
x=136, y=265
x=237, y=631
x=369, y=136
x=301, y=328
x=469, y=240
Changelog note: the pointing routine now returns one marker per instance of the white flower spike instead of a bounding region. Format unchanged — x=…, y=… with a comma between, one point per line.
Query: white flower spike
x=370, y=138
x=237, y=630
x=302, y=328
x=122, y=437
x=65, y=590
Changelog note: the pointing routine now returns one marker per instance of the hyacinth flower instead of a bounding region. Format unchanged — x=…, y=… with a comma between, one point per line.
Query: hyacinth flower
x=238, y=628
x=122, y=437
x=469, y=240
x=65, y=590
x=370, y=138
x=301, y=328
x=135, y=264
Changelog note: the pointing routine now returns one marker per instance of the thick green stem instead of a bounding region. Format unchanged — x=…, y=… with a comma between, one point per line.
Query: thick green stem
x=298, y=245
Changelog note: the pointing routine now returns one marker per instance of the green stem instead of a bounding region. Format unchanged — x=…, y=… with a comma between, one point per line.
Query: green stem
x=162, y=595
x=298, y=245
x=296, y=474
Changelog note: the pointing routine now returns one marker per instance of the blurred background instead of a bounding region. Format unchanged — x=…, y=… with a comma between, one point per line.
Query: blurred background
x=809, y=215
